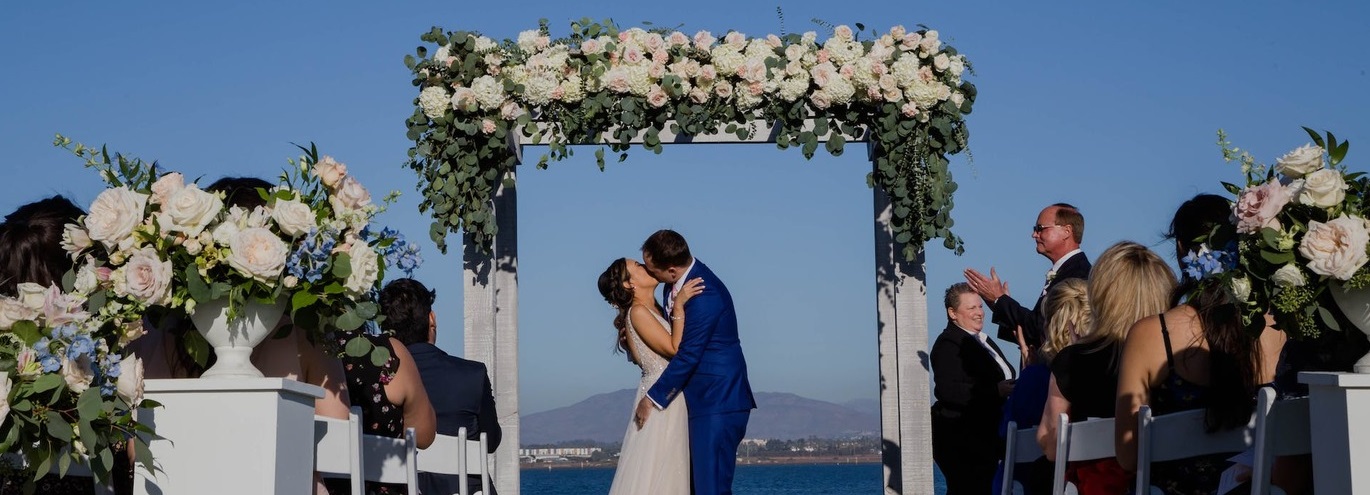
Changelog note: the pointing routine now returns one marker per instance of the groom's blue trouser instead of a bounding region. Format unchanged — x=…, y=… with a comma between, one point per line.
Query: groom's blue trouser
x=713, y=450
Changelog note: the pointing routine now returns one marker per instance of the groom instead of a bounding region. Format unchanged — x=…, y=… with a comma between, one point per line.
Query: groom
x=708, y=366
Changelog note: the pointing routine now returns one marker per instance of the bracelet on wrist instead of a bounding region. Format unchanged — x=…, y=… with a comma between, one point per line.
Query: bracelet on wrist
x=677, y=318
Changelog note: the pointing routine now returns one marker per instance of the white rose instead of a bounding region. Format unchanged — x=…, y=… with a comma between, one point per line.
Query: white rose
x=1241, y=288
x=77, y=373
x=145, y=277
x=86, y=280
x=365, y=268
x=12, y=311
x=1289, y=275
x=257, y=252
x=1300, y=162
x=294, y=217
x=330, y=171
x=189, y=210
x=167, y=185
x=1324, y=188
x=74, y=239
x=32, y=295
x=130, y=384
x=5, y=385
x=1336, y=248
x=114, y=214
x=349, y=195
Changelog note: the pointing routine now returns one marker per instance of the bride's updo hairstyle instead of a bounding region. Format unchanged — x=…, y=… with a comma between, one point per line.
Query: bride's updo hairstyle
x=611, y=286
x=31, y=243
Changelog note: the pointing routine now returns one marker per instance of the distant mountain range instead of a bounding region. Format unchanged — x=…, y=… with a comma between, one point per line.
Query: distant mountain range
x=603, y=418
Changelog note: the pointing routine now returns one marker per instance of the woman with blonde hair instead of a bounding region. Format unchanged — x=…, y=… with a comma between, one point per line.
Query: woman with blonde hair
x=1129, y=282
x=1068, y=316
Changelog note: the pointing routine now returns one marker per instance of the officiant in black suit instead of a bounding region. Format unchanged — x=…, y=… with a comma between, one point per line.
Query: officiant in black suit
x=1058, y=232
x=972, y=378
x=458, y=388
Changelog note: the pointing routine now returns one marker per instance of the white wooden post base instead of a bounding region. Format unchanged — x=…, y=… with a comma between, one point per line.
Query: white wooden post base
x=230, y=436
x=1339, y=406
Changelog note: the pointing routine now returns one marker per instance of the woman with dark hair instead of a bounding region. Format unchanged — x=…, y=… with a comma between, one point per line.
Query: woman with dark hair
x=971, y=377
x=655, y=457
x=1194, y=356
x=31, y=252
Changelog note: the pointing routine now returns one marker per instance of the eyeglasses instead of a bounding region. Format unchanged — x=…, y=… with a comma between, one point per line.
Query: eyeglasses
x=1037, y=229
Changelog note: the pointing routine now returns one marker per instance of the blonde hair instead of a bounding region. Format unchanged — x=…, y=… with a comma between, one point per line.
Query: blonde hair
x=1130, y=282
x=1068, y=315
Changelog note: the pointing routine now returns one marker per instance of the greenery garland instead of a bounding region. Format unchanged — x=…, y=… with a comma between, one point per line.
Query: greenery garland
x=901, y=90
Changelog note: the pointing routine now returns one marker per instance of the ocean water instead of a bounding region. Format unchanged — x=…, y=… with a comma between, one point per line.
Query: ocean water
x=827, y=479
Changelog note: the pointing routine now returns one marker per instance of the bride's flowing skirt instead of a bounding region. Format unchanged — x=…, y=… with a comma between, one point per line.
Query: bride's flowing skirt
x=656, y=459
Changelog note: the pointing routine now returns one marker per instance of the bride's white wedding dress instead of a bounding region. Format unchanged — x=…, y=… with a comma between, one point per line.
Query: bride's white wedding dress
x=656, y=459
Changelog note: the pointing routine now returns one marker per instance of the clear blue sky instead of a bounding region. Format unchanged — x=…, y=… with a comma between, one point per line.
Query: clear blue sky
x=1110, y=107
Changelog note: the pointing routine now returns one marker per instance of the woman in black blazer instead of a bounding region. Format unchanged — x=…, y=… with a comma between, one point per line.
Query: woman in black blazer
x=972, y=378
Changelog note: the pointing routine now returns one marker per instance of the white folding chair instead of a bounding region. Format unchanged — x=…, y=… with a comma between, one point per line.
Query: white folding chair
x=1084, y=441
x=1282, y=429
x=1020, y=447
x=391, y=460
x=1182, y=435
x=455, y=455
x=338, y=448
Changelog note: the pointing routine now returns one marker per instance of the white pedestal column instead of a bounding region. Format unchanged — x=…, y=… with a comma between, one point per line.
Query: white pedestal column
x=1339, y=406
x=230, y=436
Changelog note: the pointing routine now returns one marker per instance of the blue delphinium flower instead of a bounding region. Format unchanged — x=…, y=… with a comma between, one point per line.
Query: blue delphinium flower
x=1203, y=263
x=400, y=253
x=309, y=261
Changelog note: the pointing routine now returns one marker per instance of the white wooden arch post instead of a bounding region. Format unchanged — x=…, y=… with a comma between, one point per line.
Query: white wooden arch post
x=491, y=332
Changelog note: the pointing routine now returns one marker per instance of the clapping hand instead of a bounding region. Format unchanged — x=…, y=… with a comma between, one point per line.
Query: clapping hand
x=989, y=288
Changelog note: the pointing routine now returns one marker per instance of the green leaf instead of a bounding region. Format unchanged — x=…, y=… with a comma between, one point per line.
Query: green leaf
x=349, y=321
x=1277, y=257
x=379, y=356
x=89, y=405
x=1317, y=139
x=342, y=266
x=302, y=299
x=27, y=331
x=199, y=290
x=58, y=428
x=47, y=382
x=358, y=347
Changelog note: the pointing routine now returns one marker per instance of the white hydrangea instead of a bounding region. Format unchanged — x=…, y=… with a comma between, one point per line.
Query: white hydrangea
x=808, y=38
x=956, y=66
x=538, y=90
x=639, y=80
x=793, y=88
x=840, y=51
x=905, y=71
x=727, y=60
x=572, y=89
x=489, y=92
x=747, y=101
x=528, y=40
x=464, y=100
x=841, y=90
x=923, y=94
x=484, y=44
x=434, y=101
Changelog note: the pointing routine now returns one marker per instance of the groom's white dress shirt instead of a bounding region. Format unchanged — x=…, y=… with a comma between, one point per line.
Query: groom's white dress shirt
x=670, y=296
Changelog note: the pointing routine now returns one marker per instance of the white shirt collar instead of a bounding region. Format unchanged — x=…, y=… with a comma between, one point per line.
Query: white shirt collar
x=680, y=282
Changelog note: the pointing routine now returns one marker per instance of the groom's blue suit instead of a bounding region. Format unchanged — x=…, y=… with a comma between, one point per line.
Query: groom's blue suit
x=710, y=369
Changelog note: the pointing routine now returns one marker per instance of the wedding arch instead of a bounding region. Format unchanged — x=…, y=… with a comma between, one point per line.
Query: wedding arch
x=900, y=92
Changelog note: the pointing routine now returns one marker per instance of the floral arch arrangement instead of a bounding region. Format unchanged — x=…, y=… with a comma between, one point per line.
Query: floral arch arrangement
x=901, y=90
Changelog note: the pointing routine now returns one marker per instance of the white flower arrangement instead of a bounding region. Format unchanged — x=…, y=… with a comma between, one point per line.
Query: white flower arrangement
x=1298, y=228
x=902, y=90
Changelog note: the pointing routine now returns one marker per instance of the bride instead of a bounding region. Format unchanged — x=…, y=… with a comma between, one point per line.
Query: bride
x=656, y=457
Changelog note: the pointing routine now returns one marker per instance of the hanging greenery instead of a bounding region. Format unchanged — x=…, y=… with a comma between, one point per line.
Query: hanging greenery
x=901, y=90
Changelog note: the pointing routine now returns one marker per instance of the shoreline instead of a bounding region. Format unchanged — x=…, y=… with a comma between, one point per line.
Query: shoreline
x=751, y=461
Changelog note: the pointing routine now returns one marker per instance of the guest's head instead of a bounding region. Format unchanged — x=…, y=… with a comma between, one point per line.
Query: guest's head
x=1068, y=316
x=1194, y=220
x=31, y=243
x=964, y=308
x=1129, y=282
x=241, y=191
x=666, y=255
x=617, y=287
x=408, y=309
x=1060, y=229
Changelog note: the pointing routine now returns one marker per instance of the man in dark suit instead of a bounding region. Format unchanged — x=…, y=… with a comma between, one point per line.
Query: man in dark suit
x=971, y=378
x=708, y=366
x=458, y=388
x=1058, y=232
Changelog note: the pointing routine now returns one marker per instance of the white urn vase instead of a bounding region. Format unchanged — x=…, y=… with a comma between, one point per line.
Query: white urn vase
x=1355, y=304
x=233, y=340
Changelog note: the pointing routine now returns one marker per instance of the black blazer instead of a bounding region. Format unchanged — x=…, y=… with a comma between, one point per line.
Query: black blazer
x=461, y=395
x=1008, y=314
x=966, y=378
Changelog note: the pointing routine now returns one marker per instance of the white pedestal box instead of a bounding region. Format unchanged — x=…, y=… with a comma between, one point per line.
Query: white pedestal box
x=230, y=436
x=1339, y=413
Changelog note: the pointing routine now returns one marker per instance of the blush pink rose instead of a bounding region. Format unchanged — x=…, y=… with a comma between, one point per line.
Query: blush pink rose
x=1258, y=206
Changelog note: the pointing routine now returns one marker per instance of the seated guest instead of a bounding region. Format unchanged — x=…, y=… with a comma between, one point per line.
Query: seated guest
x=1195, y=356
x=1068, y=319
x=459, y=389
x=1127, y=284
x=31, y=252
x=971, y=378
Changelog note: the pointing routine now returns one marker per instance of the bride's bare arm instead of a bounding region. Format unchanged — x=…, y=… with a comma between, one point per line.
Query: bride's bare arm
x=650, y=330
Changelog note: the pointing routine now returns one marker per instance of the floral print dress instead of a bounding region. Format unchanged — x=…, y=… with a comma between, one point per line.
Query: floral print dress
x=366, y=389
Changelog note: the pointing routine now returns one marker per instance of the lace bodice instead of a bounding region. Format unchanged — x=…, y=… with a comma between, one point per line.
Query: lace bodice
x=651, y=363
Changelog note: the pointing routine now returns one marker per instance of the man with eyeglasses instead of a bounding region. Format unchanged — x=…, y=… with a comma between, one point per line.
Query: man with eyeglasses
x=1057, y=233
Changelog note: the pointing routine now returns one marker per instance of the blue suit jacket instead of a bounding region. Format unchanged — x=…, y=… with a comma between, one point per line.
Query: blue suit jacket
x=461, y=395
x=708, y=367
